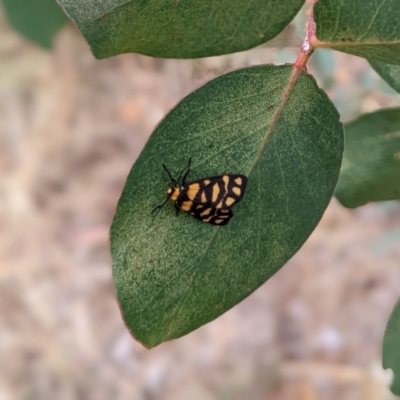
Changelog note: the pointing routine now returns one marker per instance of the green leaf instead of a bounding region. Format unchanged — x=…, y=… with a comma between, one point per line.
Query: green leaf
x=179, y=28
x=371, y=160
x=369, y=29
x=174, y=274
x=391, y=348
x=36, y=20
x=390, y=73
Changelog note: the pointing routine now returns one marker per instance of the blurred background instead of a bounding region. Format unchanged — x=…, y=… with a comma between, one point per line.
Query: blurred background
x=70, y=129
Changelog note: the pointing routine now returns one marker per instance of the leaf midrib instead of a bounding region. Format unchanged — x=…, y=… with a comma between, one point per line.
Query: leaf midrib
x=353, y=44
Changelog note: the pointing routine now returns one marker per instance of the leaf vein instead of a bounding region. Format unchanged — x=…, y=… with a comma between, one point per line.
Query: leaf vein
x=283, y=180
x=373, y=19
x=300, y=153
x=183, y=297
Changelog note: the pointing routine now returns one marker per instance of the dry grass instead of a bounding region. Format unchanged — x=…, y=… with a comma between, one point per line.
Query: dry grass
x=70, y=129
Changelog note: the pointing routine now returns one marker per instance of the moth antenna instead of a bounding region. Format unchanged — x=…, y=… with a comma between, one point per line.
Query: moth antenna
x=169, y=174
x=187, y=172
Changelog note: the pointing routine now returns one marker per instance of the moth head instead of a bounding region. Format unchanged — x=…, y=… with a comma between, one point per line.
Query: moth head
x=173, y=193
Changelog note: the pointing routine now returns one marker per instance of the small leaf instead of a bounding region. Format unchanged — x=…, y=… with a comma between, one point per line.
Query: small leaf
x=391, y=348
x=369, y=29
x=390, y=73
x=36, y=20
x=371, y=160
x=179, y=28
x=174, y=274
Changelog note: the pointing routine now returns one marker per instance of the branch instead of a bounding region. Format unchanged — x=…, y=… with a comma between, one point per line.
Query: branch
x=307, y=47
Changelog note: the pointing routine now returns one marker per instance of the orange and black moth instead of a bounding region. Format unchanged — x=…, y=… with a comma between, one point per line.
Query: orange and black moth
x=210, y=200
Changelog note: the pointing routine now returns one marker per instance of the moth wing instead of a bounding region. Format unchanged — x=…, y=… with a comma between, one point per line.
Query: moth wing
x=232, y=188
x=211, y=215
x=192, y=190
x=222, y=217
x=219, y=192
x=203, y=191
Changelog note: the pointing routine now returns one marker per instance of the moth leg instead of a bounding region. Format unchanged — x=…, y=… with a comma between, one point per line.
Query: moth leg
x=177, y=209
x=158, y=208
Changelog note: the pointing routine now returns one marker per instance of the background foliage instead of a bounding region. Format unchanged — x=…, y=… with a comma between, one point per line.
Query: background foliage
x=179, y=29
x=391, y=237
x=36, y=20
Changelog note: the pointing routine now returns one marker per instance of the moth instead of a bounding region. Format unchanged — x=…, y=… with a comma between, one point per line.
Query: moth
x=209, y=200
